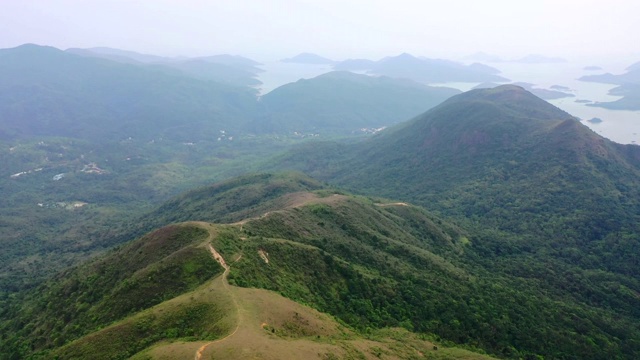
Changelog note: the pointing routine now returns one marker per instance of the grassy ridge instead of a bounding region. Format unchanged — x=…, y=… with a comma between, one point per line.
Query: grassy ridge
x=148, y=271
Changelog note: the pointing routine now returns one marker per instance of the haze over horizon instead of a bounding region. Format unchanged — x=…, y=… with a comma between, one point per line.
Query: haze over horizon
x=339, y=30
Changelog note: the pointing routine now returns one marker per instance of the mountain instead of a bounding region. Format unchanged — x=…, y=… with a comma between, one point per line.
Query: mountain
x=193, y=289
x=354, y=65
x=235, y=74
x=86, y=144
x=484, y=69
x=631, y=76
x=47, y=92
x=629, y=88
x=230, y=201
x=308, y=58
x=634, y=67
x=227, y=69
x=630, y=98
x=344, y=103
x=424, y=70
x=119, y=55
x=549, y=201
x=505, y=135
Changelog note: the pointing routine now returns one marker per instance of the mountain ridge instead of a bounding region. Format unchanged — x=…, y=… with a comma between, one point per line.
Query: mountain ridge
x=344, y=103
x=140, y=314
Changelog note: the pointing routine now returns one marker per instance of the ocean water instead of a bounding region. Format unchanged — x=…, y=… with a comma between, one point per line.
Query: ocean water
x=278, y=73
x=617, y=125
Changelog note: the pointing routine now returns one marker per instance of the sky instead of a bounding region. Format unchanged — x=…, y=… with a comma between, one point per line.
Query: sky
x=338, y=29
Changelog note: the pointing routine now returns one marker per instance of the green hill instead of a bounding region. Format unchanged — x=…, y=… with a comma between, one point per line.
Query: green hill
x=344, y=103
x=47, y=92
x=351, y=257
x=227, y=69
x=232, y=200
x=146, y=272
x=548, y=201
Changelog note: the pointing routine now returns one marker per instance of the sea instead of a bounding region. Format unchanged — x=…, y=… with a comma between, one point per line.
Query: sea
x=617, y=125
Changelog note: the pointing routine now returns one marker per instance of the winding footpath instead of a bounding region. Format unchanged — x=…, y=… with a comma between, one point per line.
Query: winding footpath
x=216, y=255
x=296, y=200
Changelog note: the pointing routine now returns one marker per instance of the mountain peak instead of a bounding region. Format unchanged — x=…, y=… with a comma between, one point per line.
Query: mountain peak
x=308, y=58
x=516, y=99
x=30, y=49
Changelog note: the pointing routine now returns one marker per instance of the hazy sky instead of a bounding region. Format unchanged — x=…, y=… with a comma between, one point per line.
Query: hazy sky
x=268, y=30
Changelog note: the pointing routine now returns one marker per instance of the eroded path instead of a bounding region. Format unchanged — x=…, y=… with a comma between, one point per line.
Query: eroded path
x=216, y=255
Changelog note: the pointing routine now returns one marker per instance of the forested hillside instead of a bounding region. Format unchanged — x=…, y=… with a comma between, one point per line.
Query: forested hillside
x=342, y=102
x=364, y=261
x=547, y=200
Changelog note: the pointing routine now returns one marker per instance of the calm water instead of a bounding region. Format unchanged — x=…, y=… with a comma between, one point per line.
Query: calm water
x=278, y=73
x=619, y=126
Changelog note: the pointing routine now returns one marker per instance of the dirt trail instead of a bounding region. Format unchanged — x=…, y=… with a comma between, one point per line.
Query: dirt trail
x=393, y=204
x=216, y=255
x=290, y=201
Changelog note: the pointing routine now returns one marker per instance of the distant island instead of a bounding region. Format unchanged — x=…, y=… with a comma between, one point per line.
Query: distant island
x=423, y=69
x=592, y=68
x=354, y=65
x=595, y=120
x=560, y=88
x=634, y=67
x=308, y=58
x=583, y=101
x=629, y=88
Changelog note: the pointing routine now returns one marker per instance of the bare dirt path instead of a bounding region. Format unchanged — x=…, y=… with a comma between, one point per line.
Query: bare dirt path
x=290, y=201
x=393, y=204
x=216, y=255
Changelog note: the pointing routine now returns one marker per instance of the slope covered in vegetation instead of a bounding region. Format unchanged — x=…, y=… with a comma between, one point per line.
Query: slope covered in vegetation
x=148, y=298
x=547, y=201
